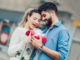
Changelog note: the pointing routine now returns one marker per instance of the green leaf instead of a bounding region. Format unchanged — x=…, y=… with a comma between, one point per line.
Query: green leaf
x=28, y=50
x=18, y=53
x=22, y=58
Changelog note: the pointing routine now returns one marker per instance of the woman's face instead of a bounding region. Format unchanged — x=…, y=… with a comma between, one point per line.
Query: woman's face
x=34, y=20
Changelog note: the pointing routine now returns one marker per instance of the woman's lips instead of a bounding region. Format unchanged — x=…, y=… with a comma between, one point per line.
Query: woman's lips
x=34, y=25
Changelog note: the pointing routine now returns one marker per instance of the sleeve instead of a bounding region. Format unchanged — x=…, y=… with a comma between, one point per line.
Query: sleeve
x=63, y=44
x=15, y=43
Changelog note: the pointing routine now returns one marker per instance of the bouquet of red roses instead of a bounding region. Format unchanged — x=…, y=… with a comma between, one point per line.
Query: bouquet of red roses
x=36, y=36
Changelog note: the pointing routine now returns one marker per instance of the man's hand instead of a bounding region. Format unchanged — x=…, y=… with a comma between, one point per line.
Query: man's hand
x=37, y=43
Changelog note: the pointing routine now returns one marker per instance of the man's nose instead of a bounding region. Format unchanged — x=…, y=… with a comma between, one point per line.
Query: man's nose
x=43, y=18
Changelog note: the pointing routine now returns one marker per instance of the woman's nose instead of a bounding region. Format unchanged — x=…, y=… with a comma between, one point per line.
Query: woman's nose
x=37, y=22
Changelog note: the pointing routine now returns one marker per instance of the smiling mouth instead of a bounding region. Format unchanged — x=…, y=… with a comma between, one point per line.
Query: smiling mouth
x=34, y=25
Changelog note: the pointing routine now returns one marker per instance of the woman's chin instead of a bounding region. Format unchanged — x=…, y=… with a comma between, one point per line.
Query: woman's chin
x=32, y=27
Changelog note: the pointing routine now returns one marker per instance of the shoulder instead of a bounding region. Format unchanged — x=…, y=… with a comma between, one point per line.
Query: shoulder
x=63, y=28
x=20, y=29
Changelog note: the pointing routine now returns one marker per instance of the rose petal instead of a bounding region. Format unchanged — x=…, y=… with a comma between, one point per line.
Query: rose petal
x=43, y=39
x=32, y=32
x=37, y=37
x=27, y=33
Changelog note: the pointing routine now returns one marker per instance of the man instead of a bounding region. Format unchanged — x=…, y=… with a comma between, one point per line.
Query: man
x=56, y=46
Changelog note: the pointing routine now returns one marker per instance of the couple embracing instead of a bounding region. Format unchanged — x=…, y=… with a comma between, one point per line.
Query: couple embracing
x=56, y=45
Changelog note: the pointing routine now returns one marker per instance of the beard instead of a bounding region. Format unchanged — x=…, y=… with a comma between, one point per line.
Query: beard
x=49, y=22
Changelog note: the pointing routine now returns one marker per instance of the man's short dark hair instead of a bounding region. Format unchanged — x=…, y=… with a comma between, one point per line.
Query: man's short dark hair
x=48, y=6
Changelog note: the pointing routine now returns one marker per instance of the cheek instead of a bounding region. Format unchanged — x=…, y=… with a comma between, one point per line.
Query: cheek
x=38, y=23
x=34, y=21
x=30, y=21
x=47, y=16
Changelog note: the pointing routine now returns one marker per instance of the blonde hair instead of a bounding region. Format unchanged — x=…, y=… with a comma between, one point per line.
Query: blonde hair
x=24, y=20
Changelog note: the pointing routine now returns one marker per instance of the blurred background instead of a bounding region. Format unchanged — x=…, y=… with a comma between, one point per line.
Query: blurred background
x=12, y=11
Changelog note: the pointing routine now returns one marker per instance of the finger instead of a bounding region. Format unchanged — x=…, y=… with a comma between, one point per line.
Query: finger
x=40, y=37
x=30, y=34
x=33, y=37
x=32, y=40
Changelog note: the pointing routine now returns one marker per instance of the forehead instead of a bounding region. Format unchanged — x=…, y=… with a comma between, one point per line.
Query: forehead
x=33, y=14
x=44, y=12
x=36, y=15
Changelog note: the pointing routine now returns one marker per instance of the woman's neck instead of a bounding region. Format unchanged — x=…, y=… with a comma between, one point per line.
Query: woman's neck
x=27, y=26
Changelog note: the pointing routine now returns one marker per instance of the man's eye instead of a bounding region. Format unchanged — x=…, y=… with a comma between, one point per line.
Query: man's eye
x=44, y=15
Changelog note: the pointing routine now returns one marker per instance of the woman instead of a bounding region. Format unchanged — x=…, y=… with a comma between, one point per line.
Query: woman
x=20, y=47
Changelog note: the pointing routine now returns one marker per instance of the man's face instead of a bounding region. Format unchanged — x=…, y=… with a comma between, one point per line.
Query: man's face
x=46, y=17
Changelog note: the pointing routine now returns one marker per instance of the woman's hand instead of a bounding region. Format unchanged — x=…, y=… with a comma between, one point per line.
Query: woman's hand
x=27, y=39
x=37, y=43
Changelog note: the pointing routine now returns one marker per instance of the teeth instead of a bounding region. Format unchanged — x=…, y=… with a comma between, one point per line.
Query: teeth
x=34, y=24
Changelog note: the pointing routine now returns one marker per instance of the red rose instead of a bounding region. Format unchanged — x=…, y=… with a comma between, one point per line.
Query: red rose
x=35, y=36
x=43, y=39
x=32, y=32
x=28, y=32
